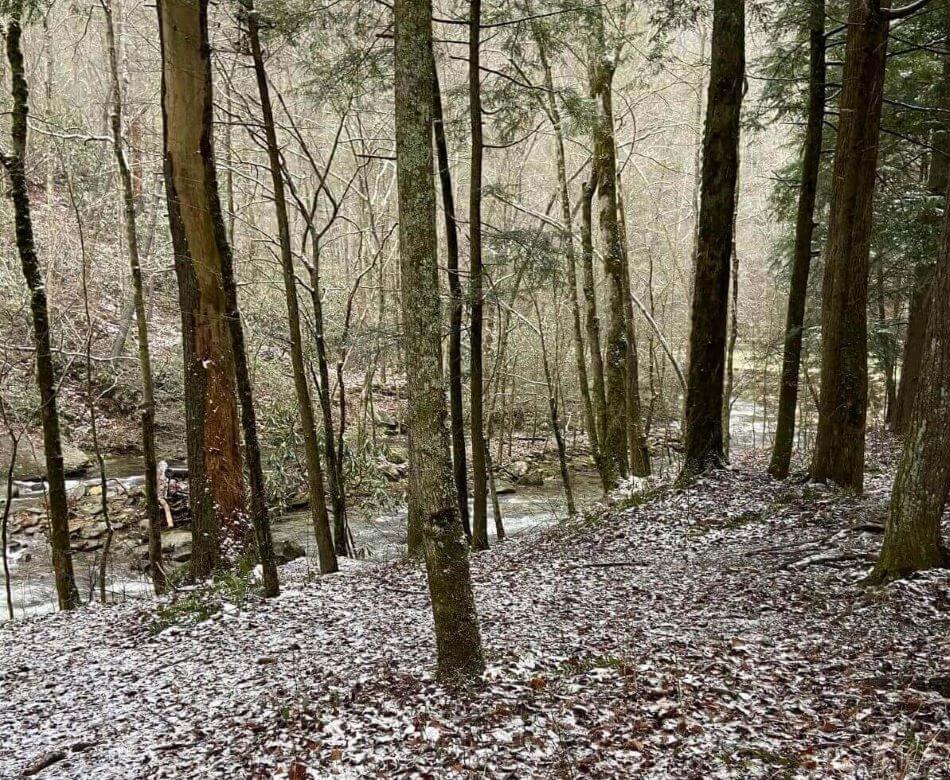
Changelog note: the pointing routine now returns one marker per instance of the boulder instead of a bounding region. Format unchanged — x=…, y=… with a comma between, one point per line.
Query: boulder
x=503, y=488
x=31, y=458
x=176, y=544
x=287, y=551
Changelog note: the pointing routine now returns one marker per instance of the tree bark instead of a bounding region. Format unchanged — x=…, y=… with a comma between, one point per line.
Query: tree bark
x=804, y=233
x=913, y=351
x=912, y=539
x=605, y=469
x=600, y=74
x=476, y=372
x=554, y=115
x=15, y=165
x=152, y=510
x=459, y=469
x=636, y=440
x=199, y=238
x=432, y=497
x=321, y=522
x=710, y=300
x=839, y=443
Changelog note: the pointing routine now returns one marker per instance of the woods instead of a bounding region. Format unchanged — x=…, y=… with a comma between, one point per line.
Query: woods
x=485, y=322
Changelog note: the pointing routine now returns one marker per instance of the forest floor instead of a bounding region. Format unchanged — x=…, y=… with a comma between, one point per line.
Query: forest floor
x=719, y=631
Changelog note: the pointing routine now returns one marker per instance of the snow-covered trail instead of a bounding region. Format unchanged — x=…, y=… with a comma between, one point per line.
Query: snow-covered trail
x=716, y=632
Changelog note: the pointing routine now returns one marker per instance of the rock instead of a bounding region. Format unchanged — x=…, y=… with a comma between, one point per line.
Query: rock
x=384, y=419
x=31, y=457
x=396, y=454
x=287, y=551
x=391, y=471
x=504, y=488
x=176, y=542
x=299, y=500
x=94, y=531
x=176, y=469
x=533, y=478
x=517, y=469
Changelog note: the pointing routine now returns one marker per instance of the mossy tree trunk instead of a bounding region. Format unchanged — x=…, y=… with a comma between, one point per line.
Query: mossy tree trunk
x=199, y=238
x=710, y=300
x=912, y=539
x=432, y=499
x=15, y=164
x=600, y=77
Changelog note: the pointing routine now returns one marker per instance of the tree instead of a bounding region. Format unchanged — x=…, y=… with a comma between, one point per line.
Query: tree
x=432, y=496
x=804, y=231
x=14, y=162
x=604, y=175
x=912, y=538
x=152, y=510
x=842, y=413
x=477, y=303
x=199, y=238
x=459, y=469
x=321, y=523
x=710, y=302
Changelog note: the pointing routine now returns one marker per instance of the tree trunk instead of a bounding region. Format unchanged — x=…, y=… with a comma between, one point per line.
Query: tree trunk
x=334, y=449
x=608, y=476
x=476, y=372
x=710, y=301
x=318, y=507
x=920, y=305
x=15, y=165
x=839, y=443
x=731, y=350
x=432, y=495
x=215, y=475
x=600, y=71
x=801, y=260
x=459, y=469
x=912, y=540
x=554, y=115
x=152, y=510
x=636, y=441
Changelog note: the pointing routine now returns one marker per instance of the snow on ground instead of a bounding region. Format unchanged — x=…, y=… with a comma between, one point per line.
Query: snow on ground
x=714, y=632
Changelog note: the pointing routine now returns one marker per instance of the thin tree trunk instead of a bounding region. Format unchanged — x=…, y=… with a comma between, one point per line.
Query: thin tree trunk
x=199, y=238
x=570, y=259
x=804, y=232
x=15, y=165
x=920, y=305
x=707, y=344
x=604, y=465
x=912, y=539
x=153, y=512
x=636, y=441
x=839, y=445
x=476, y=372
x=318, y=507
x=459, y=469
x=887, y=358
x=334, y=449
x=731, y=346
x=432, y=495
x=555, y=417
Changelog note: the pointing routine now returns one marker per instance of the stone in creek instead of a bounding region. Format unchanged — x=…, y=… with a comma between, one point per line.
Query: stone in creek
x=94, y=531
x=177, y=545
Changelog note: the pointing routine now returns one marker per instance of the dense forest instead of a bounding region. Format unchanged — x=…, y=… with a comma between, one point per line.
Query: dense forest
x=542, y=388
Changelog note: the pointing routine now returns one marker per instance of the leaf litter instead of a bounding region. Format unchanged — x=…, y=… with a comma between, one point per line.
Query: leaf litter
x=714, y=632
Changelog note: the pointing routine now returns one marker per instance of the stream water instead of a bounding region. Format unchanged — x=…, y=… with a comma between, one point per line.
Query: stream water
x=376, y=536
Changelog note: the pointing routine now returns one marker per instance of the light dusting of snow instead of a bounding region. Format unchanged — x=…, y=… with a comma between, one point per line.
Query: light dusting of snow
x=699, y=635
